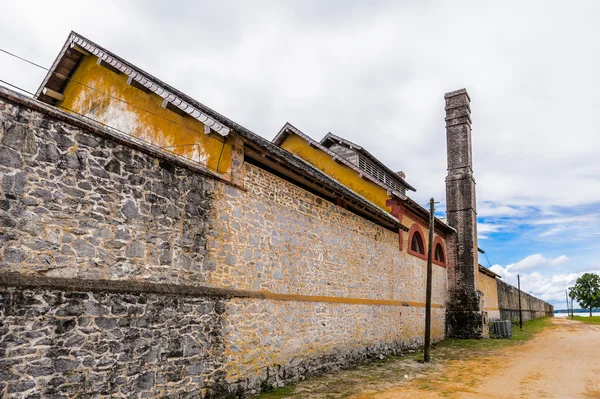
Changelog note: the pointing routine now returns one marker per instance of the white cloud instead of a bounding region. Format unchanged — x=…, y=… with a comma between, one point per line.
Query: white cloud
x=485, y=229
x=536, y=261
x=492, y=209
x=587, y=218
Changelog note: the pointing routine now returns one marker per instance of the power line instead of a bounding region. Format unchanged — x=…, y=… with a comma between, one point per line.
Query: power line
x=118, y=99
x=488, y=260
x=122, y=132
x=96, y=90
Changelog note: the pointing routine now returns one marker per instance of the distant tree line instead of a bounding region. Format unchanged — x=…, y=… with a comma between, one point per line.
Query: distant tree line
x=576, y=310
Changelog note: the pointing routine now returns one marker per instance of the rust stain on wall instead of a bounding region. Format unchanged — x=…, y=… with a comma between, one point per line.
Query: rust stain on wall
x=110, y=100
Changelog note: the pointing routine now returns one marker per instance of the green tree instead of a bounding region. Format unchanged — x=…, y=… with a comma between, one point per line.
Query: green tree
x=587, y=291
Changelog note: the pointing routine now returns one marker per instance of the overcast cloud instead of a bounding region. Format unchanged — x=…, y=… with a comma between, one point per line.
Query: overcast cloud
x=375, y=72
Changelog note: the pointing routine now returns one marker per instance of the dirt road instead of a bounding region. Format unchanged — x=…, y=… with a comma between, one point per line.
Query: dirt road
x=561, y=362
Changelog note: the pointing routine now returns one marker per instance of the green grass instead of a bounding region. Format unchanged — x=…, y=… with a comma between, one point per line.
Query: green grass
x=588, y=320
x=453, y=349
x=386, y=371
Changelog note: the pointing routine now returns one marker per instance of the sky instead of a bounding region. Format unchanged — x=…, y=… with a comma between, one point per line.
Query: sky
x=376, y=72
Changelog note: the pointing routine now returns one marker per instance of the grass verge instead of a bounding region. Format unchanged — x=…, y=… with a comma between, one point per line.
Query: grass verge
x=588, y=320
x=392, y=371
x=455, y=349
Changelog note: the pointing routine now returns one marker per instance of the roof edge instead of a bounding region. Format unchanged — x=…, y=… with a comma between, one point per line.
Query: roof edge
x=289, y=128
x=143, y=78
x=333, y=136
x=111, y=134
x=282, y=134
x=487, y=271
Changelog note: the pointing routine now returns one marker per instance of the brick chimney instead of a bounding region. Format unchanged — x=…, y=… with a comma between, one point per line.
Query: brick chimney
x=465, y=315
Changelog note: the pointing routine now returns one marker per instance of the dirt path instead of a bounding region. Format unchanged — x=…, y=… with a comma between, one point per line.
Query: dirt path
x=562, y=362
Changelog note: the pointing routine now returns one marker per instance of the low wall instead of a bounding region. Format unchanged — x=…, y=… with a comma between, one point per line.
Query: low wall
x=531, y=307
x=125, y=271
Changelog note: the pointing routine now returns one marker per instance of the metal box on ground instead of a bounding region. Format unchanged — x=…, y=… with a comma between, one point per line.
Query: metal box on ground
x=502, y=329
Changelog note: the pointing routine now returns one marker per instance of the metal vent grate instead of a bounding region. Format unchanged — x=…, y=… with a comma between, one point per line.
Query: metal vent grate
x=376, y=172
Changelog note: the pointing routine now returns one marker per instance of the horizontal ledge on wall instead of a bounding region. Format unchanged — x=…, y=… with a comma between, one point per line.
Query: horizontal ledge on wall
x=19, y=280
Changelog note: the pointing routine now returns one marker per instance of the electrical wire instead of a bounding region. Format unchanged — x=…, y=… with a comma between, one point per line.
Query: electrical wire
x=488, y=260
x=122, y=101
x=125, y=102
x=98, y=91
x=231, y=172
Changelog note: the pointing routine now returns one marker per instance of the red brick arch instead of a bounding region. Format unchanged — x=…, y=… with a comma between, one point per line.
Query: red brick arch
x=416, y=229
x=438, y=241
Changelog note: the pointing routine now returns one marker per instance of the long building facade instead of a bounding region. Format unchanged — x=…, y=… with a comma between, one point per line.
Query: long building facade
x=151, y=247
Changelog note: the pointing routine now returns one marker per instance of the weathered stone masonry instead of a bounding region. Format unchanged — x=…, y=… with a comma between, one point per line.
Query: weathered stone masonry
x=112, y=245
x=282, y=239
x=96, y=344
x=531, y=307
x=465, y=316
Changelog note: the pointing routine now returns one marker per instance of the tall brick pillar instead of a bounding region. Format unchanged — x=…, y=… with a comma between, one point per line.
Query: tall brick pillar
x=465, y=317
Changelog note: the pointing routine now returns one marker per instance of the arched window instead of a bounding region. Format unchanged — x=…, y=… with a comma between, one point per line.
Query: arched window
x=416, y=242
x=439, y=252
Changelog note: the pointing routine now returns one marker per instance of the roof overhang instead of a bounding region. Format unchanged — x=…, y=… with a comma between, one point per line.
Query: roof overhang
x=488, y=272
x=416, y=208
x=76, y=47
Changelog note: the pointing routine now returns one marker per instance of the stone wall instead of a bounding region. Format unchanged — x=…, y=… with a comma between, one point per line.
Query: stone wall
x=228, y=287
x=96, y=344
x=76, y=204
x=531, y=307
x=326, y=262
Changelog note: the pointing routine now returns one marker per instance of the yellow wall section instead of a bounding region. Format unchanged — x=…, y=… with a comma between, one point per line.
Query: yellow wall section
x=160, y=126
x=488, y=286
x=345, y=175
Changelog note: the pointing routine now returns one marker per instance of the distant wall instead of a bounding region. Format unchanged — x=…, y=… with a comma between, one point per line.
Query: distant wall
x=531, y=307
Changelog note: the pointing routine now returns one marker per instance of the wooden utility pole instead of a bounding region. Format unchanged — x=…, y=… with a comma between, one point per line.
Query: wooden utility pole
x=429, y=280
x=520, y=315
x=568, y=307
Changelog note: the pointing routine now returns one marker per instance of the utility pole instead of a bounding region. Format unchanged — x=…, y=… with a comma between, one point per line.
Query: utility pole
x=568, y=307
x=520, y=315
x=429, y=279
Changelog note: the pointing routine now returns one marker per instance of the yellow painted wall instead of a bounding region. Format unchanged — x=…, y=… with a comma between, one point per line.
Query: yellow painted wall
x=345, y=175
x=488, y=286
x=159, y=126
